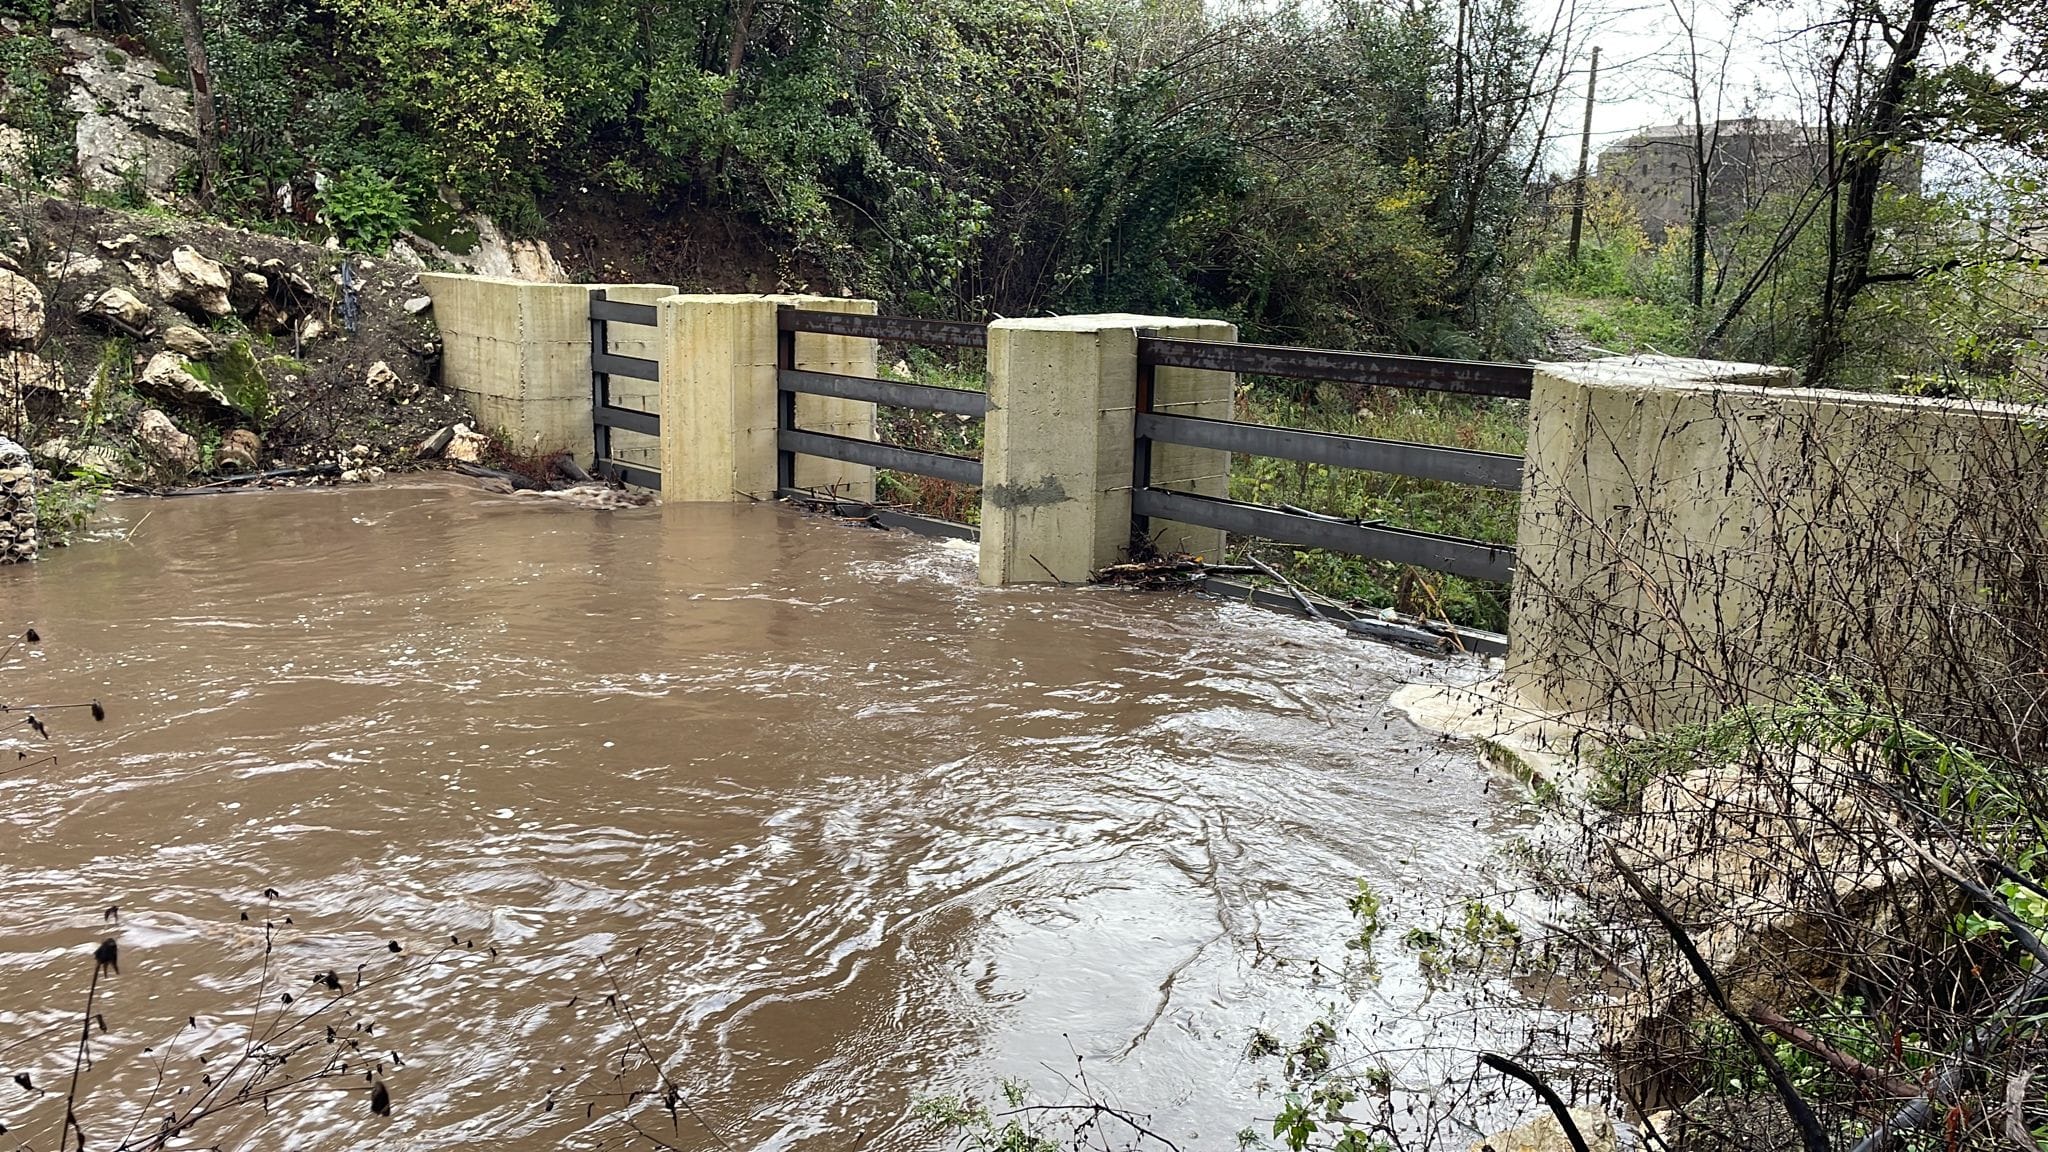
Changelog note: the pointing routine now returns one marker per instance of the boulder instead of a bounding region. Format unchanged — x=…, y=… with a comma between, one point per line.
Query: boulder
x=98, y=458
x=388, y=384
x=249, y=292
x=121, y=245
x=169, y=377
x=466, y=445
x=312, y=328
x=163, y=440
x=117, y=308
x=419, y=304
x=188, y=341
x=74, y=266
x=192, y=282
x=22, y=372
x=131, y=126
x=21, y=310
x=240, y=451
x=1545, y=1134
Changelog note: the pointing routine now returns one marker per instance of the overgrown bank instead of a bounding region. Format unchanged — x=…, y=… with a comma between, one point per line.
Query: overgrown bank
x=154, y=351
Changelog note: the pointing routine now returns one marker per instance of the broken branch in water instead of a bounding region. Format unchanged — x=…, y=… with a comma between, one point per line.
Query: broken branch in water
x=1307, y=605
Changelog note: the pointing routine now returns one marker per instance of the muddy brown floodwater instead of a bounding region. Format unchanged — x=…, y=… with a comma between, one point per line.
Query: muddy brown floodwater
x=796, y=808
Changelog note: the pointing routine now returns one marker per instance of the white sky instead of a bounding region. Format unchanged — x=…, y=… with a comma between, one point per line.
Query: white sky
x=1644, y=57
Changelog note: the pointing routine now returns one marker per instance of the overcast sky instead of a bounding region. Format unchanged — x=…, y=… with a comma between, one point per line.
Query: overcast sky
x=1643, y=54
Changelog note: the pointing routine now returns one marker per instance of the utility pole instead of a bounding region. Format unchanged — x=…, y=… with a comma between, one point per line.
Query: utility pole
x=1585, y=152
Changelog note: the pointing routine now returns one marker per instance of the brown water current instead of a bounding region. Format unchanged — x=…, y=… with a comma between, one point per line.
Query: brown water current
x=795, y=808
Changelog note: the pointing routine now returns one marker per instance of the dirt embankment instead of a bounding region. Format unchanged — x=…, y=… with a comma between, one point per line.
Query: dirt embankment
x=167, y=349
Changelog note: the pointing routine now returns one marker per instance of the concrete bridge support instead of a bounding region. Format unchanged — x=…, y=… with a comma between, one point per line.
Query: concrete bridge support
x=1697, y=536
x=718, y=397
x=1058, y=453
x=519, y=352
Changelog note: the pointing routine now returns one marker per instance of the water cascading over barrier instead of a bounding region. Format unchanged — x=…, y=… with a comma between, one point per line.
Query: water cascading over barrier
x=1680, y=520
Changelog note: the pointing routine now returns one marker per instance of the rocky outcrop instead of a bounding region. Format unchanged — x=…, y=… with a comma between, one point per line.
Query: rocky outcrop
x=163, y=440
x=492, y=253
x=21, y=309
x=131, y=125
x=192, y=283
x=17, y=504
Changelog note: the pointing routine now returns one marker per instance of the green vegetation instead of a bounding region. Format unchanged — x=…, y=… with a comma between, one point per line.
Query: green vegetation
x=1428, y=505
x=64, y=507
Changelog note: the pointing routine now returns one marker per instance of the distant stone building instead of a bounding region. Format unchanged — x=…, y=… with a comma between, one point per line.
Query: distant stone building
x=1753, y=157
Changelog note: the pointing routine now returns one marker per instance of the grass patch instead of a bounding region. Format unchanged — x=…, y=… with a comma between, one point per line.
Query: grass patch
x=1399, y=501
x=1619, y=324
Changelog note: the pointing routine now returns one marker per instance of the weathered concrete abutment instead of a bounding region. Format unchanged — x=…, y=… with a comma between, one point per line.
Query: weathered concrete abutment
x=1696, y=536
x=519, y=353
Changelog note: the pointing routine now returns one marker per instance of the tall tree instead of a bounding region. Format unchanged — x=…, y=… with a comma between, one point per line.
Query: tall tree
x=206, y=119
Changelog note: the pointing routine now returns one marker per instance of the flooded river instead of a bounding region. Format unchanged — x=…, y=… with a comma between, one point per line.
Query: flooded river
x=793, y=808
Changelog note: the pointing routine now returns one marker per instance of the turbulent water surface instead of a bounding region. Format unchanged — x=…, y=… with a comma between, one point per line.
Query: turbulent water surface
x=795, y=809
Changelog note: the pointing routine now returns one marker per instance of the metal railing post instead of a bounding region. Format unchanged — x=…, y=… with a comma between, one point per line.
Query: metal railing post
x=785, y=406
x=600, y=393
x=1141, y=452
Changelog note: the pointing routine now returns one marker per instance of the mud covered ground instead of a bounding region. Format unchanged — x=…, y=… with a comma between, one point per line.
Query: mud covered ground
x=315, y=345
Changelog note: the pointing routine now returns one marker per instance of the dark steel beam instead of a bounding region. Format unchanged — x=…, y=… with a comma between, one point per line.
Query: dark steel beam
x=631, y=419
x=884, y=517
x=1457, y=555
x=1426, y=461
x=942, y=466
x=620, y=312
x=1469, y=377
x=630, y=366
x=639, y=477
x=923, y=397
x=900, y=329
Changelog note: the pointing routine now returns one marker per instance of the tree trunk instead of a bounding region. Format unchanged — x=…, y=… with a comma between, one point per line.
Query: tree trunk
x=1702, y=205
x=1881, y=134
x=204, y=118
x=736, y=53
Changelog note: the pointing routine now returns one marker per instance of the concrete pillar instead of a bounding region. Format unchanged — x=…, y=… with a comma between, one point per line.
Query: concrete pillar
x=519, y=353
x=1057, y=454
x=718, y=411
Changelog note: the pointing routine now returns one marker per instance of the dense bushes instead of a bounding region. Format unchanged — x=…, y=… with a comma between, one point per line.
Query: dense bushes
x=1344, y=174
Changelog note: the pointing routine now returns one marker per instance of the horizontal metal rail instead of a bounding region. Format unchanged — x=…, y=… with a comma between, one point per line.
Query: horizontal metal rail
x=900, y=329
x=1457, y=555
x=631, y=419
x=939, y=465
x=635, y=367
x=1426, y=461
x=620, y=312
x=1469, y=377
x=631, y=474
x=923, y=397
x=882, y=517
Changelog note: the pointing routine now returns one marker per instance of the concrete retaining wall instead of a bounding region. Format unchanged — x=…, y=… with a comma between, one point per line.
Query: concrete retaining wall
x=519, y=353
x=1692, y=539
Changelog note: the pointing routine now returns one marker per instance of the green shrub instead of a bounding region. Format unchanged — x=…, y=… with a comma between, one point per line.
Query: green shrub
x=366, y=211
